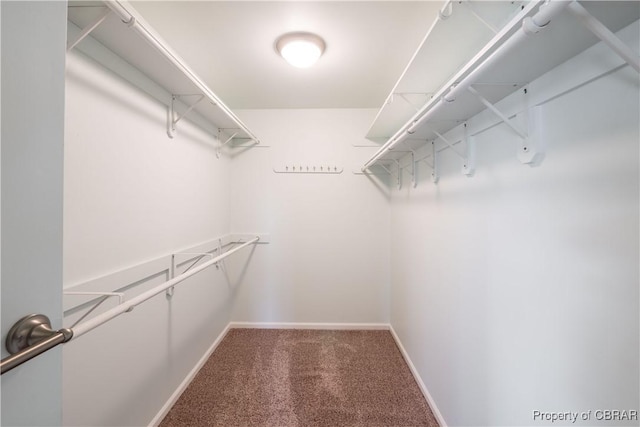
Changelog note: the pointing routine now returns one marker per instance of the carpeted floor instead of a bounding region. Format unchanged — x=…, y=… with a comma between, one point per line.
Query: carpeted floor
x=303, y=378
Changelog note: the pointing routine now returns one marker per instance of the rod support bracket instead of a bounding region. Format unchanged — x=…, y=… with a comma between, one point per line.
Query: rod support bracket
x=531, y=28
x=30, y=330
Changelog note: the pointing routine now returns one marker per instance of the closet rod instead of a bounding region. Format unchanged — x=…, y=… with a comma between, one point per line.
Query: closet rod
x=32, y=335
x=530, y=25
x=89, y=325
x=133, y=21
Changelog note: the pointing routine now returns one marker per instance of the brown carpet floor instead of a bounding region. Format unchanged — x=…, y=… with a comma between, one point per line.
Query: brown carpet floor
x=303, y=378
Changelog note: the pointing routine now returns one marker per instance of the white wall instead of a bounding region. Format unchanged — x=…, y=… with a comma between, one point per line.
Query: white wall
x=517, y=290
x=328, y=257
x=131, y=192
x=512, y=291
x=132, y=195
x=33, y=51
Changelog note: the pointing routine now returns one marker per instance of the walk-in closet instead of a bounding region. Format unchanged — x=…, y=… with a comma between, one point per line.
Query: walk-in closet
x=320, y=213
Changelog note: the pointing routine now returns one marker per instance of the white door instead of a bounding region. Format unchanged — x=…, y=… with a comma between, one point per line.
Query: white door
x=33, y=37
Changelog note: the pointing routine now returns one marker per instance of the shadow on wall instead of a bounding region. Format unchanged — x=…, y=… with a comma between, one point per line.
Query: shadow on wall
x=75, y=76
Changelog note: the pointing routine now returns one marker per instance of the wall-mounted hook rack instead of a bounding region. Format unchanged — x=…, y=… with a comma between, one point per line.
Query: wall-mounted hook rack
x=307, y=168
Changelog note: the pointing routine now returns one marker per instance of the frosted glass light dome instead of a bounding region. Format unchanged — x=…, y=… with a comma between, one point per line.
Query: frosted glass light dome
x=301, y=50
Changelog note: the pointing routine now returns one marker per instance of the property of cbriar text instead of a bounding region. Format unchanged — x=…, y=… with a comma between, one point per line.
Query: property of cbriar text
x=598, y=414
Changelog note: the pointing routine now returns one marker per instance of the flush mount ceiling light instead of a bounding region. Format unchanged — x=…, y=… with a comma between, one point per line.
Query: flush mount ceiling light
x=301, y=50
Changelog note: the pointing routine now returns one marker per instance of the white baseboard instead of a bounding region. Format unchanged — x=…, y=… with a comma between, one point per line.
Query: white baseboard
x=416, y=375
x=185, y=383
x=326, y=326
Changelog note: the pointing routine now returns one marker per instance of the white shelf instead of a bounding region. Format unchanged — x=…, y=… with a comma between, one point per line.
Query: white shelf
x=448, y=45
x=510, y=70
x=156, y=61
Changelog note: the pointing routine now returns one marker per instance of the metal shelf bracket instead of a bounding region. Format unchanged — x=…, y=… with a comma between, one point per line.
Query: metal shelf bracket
x=467, y=160
x=222, y=144
x=433, y=164
x=498, y=113
x=88, y=29
x=173, y=117
x=385, y=168
x=369, y=171
x=434, y=169
x=604, y=34
x=398, y=170
x=104, y=296
x=405, y=97
x=414, y=168
x=174, y=265
x=469, y=165
x=475, y=13
x=399, y=174
x=530, y=151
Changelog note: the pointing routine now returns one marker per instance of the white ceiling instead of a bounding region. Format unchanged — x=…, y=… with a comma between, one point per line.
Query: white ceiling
x=230, y=45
